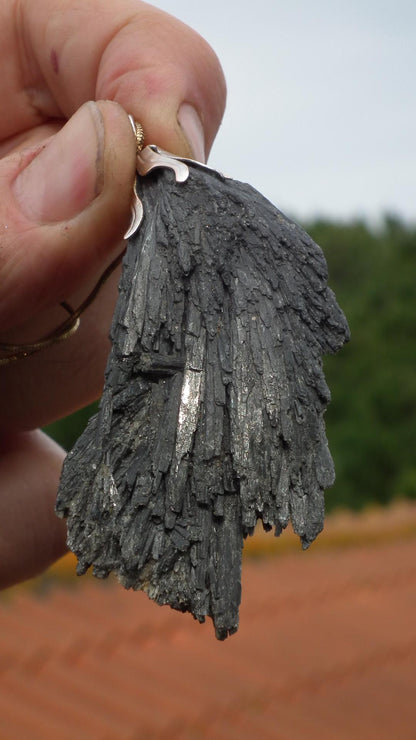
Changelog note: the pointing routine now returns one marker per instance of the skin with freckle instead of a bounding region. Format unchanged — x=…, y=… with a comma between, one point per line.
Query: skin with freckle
x=55, y=61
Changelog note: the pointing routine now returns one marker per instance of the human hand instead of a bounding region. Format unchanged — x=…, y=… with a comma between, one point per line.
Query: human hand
x=66, y=191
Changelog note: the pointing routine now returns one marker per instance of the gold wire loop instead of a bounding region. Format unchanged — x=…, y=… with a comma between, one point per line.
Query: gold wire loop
x=139, y=134
x=65, y=330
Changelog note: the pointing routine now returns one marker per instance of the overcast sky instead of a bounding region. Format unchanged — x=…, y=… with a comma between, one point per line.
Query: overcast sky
x=328, y=89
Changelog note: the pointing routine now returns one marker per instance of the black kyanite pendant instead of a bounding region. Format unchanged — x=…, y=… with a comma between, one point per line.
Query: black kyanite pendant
x=212, y=412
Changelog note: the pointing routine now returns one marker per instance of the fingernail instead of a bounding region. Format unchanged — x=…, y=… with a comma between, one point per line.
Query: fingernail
x=67, y=174
x=191, y=125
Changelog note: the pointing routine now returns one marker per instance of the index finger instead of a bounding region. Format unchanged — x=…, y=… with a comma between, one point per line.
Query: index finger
x=59, y=55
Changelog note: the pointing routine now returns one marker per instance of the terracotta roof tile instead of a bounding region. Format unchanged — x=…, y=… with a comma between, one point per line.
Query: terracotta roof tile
x=326, y=649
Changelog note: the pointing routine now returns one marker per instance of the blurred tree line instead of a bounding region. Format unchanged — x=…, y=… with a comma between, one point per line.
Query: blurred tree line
x=371, y=422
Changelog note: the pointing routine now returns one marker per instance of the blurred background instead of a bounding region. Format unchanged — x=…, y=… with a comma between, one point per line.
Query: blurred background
x=321, y=118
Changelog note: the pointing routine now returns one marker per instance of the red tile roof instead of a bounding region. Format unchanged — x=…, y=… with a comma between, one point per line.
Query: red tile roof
x=326, y=649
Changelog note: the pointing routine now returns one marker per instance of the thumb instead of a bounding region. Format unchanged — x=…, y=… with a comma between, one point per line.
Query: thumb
x=65, y=205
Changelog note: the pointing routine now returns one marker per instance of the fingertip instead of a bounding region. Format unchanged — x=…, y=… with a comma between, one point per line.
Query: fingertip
x=163, y=65
x=47, y=255
x=193, y=131
x=119, y=147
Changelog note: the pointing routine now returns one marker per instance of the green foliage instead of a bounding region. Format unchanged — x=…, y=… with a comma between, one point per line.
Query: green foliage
x=371, y=421
x=66, y=431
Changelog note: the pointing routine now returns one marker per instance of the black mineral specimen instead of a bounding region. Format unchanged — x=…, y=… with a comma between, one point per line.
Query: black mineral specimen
x=212, y=412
